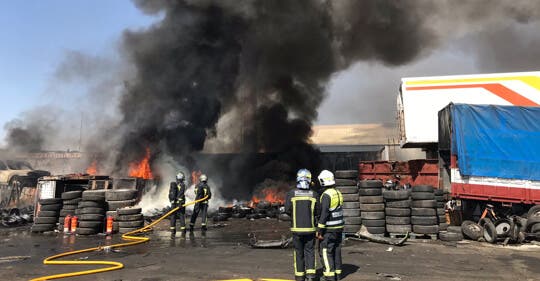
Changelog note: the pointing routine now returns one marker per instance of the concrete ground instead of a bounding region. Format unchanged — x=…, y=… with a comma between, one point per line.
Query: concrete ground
x=224, y=254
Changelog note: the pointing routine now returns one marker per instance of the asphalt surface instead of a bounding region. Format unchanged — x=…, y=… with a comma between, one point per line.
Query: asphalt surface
x=224, y=253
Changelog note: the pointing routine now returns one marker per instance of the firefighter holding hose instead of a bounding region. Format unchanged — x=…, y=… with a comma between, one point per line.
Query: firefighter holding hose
x=201, y=190
x=177, y=197
x=302, y=205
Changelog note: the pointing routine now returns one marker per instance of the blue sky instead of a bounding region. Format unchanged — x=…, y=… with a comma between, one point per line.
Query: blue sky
x=36, y=34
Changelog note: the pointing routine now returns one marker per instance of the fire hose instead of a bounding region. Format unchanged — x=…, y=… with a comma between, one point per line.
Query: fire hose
x=112, y=265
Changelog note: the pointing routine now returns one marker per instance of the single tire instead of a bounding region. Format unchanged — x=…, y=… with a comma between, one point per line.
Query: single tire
x=472, y=230
x=440, y=205
x=504, y=227
x=426, y=229
x=97, y=225
x=530, y=222
x=352, y=220
x=51, y=207
x=351, y=205
x=376, y=229
x=450, y=236
x=351, y=228
x=350, y=197
x=77, y=211
x=348, y=189
x=374, y=223
x=424, y=203
x=95, y=204
x=64, y=213
x=422, y=188
x=442, y=219
x=112, y=214
x=91, y=217
x=86, y=231
x=441, y=212
x=370, y=191
x=534, y=210
x=398, y=204
x=342, y=182
x=114, y=205
x=535, y=228
x=372, y=215
x=490, y=233
x=423, y=212
x=398, y=212
x=128, y=224
x=418, y=220
x=396, y=194
x=50, y=201
x=453, y=228
x=443, y=226
x=129, y=211
x=351, y=212
x=45, y=220
x=370, y=184
x=346, y=174
x=422, y=196
x=69, y=195
x=438, y=192
x=48, y=214
x=396, y=228
x=91, y=210
x=93, y=196
x=372, y=207
x=120, y=194
x=398, y=220
x=135, y=217
x=126, y=229
x=371, y=199
x=72, y=201
x=43, y=227
x=69, y=207
x=440, y=199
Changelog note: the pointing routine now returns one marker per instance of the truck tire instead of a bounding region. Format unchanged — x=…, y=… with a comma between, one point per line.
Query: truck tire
x=342, y=182
x=450, y=236
x=371, y=207
x=42, y=227
x=351, y=212
x=351, y=228
x=398, y=204
x=370, y=191
x=348, y=189
x=534, y=211
x=45, y=220
x=91, y=217
x=350, y=197
x=422, y=188
x=438, y=192
x=95, y=204
x=93, y=195
x=131, y=224
x=396, y=228
x=86, y=231
x=69, y=195
x=398, y=212
x=490, y=233
x=423, y=212
x=129, y=211
x=346, y=174
x=374, y=223
x=91, y=210
x=97, y=225
x=426, y=229
x=372, y=215
x=398, y=220
x=417, y=220
x=422, y=196
x=376, y=229
x=64, y=213
x=352, y=220
x=120, y=194
x=424, y=203
x=126, y=229
x=396, y=194
x=351, y=205
x=135, y=217
x=69, y=207
x=443, y=226
x=48, y=214
x=535, y=228
x=114, y=205
x=112, y=214
x=441, y=212
x=472, y=230
x=371, y=199
x=51, y=207
x=72, y=201
x=530, y=222
x=370, y=184
x=440, y=199
x=50, y=201
x=453, y=228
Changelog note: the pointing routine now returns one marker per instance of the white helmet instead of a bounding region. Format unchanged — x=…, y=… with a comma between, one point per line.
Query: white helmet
x=180, y=176
x=203, y=178
x=303, y=175
x=326, y=178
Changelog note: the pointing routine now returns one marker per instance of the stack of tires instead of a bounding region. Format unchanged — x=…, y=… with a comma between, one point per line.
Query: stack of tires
x=372, y=206
x=398, y=211
x=48, y=215
x=120, y=198
x=441, y=214
x=70, y=202
x=452, y=233
x=346, y=183
x=91, y=212
x=129, y=219
x=424, y=218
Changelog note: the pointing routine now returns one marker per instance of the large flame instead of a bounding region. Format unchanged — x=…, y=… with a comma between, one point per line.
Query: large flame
x=142, y=168
x=269, y=194
x=195, y=177
x=92, y=169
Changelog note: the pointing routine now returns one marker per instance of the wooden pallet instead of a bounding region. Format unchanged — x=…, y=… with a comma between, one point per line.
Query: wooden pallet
x=423, y=236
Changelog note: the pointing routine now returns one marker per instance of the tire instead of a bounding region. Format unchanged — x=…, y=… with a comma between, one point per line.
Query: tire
x=69, y=195
x=351, y=205
x=284, y=217
x=423, y=212
x=370, y=191
x=136, y=217
x=264, y=205
x=443, y=226
x=95, y=204
x=129, y=211
x=350, y=197
x=440, y=205
x=43, y=227
x=398, y=212
x=64, y=213
x=395, y=228
x=372, y=207
x=351, y=228
x=426, y=229
x=47, y=214
x=535, y=228
x=131, y=224
x=424, y=203
x=371, y=199
x=86, y=231
x=352, y=220
x=453, y=228
x=442, y=219
x=120, y=194
x=91, y=217
x=112, y=214
x=398, y=204
x=126, y=229
x=45, y=220
x=472, y=230
x=396, y=194
x=504, y=227
x=374, y=223
x=376, y=229
x=114, y=205
x=417, y=220
x=50, y=201
x=72, y=202
x=533, y=210
x=348, y=189
x=422, y=188
x=450, y=236
x=372, y=215
x=93, y=196
x=346, y=174
x=51, y=207
x=69, y=207
x=351, y=212
x=441, y=212
x=91, y=210
x=422, y=196
x=438, y=192
x=490, y=233
x=97, y=225
x=530, y=222
x=370, y=184
x=342, y=182
x=439, y=199
x=398, y=220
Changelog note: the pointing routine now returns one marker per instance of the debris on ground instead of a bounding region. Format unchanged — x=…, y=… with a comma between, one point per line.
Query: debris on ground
x=16, y=217
x=269, y=244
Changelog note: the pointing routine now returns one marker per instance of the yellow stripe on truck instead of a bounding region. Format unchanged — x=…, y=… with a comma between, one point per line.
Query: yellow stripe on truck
x=533, y=81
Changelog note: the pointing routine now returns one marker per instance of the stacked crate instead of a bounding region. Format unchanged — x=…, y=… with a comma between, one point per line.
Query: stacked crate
x=372, y=206
x=398, y=212
x=91, y=212
x=424, y=211
x=70, y=202
x=346, y=184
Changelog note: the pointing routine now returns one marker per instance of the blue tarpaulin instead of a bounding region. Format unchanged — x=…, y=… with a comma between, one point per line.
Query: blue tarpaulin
x=497, y=141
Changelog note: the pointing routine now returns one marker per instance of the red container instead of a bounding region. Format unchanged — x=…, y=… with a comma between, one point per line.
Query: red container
x=110, y=221
x=67, y=223
x=74, y=221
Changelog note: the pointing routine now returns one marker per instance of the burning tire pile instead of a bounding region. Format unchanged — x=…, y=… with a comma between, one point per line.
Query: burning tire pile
x=48, y=215
x=347, y=185
x=372, y=206
x=91, y=212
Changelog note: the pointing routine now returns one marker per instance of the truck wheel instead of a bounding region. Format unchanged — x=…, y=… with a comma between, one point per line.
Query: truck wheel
x=503, y=227
x=372, y=215
x=374, y=223
x=352, y=220
x=534, y=211
x=490, y=233
x=423, y=212
x=472, y=230
x=351, y=205
x=371, y=207
x=398, y=220
x=424, y=203
x=450, y=236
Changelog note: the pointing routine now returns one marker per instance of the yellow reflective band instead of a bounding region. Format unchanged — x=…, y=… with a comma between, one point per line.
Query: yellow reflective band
x=320, y=225
x=182, y=228
x=329, y=274
x=338, y=271
x=326, y=263
x=302, y=229
x=313, y=201
x=172, y=227
x=335, y=227
x=293, y=201
x=311, y=271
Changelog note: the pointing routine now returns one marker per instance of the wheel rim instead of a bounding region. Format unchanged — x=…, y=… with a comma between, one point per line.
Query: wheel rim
x=502, y=228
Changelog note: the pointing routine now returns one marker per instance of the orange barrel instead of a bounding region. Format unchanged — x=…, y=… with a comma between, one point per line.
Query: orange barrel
x=109, y=229
x=67, y=223
x=74, y=221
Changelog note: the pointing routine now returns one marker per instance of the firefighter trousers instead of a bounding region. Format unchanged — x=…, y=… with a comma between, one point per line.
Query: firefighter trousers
x=180, y=215
x=304, y=255
x=331, y=255
x=203, y=210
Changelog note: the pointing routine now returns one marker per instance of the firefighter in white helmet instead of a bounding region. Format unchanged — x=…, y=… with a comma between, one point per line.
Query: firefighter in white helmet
x=177, y=197
x=330, y=226
x=302, y=205
x=201, y=190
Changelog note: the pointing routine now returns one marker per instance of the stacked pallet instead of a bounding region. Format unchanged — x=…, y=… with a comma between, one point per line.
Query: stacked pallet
x=347, y=185
x=91, y=212
x=424, y=211
x=129, y=219
x=372, y=206
x=48, y=215
x=398, y=212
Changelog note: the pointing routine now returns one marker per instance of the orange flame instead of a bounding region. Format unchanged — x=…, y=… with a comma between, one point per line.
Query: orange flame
x=142, y=168
x=92, y=169
x=195, y=177
x=269, y=194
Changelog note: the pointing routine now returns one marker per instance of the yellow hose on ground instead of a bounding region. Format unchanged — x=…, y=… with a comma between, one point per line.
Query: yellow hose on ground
x=112, y=264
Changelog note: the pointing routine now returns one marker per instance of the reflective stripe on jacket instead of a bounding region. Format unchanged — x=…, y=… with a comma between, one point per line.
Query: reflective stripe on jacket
x=302, y=206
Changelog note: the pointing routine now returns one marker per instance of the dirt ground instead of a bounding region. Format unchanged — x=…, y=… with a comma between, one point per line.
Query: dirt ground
x=224, y=254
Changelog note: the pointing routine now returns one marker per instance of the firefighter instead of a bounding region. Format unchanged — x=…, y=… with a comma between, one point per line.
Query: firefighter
x=201, y=190
x=302, y=205
x=330, y=226
x=177, y=197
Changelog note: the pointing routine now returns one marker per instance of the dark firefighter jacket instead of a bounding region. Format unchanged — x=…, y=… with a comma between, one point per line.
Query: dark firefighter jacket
x=177, y=192
x=201, y=191
x=331, y=211
x=303, y=208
